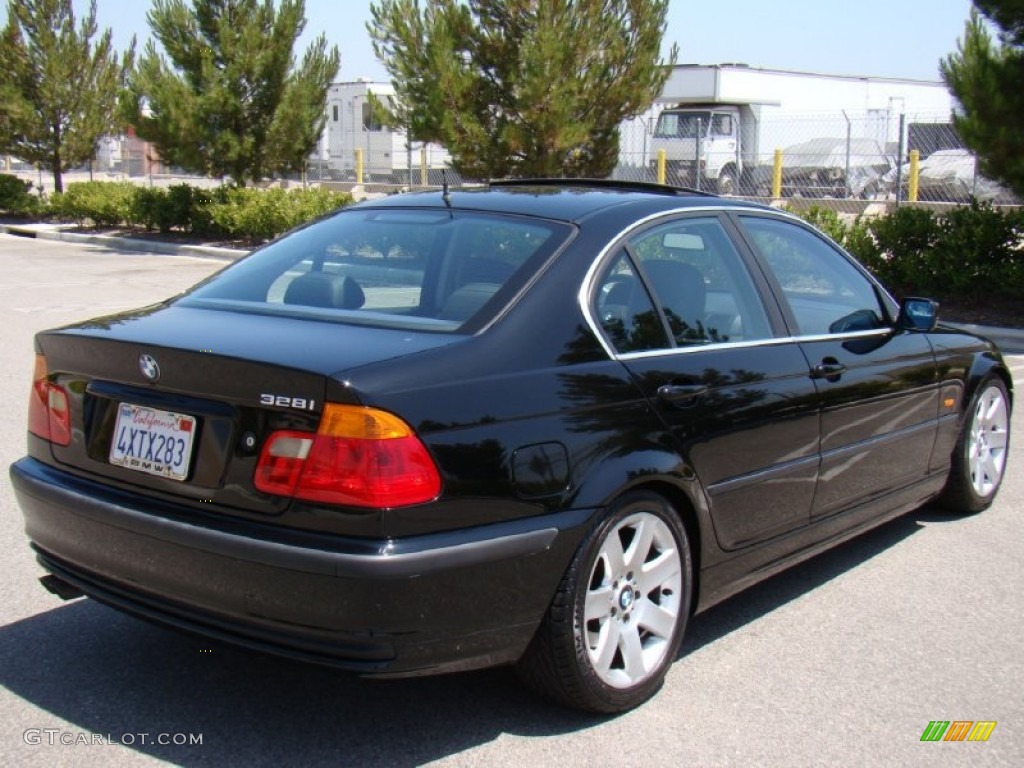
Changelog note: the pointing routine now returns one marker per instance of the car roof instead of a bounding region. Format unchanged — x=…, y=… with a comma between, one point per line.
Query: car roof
x=561, y=199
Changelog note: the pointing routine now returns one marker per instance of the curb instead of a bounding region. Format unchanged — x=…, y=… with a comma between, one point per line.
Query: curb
x=114, y=242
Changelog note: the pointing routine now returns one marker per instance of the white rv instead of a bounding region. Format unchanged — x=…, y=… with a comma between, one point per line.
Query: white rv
x=387, y=154
x=721, y=125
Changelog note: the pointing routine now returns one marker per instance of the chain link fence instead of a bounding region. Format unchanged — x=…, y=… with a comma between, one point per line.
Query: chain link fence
x=824, y=157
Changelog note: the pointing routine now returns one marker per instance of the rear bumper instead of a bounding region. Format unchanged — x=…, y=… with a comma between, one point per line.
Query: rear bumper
x=424, y=604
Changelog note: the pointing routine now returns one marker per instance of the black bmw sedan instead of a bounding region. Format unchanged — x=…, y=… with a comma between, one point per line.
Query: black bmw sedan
x=539, y=423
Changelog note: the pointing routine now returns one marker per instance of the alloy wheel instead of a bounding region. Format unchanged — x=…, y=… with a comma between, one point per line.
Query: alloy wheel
x=633, y=600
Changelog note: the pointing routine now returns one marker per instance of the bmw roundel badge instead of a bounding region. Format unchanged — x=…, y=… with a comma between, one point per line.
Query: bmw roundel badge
x=150, y=368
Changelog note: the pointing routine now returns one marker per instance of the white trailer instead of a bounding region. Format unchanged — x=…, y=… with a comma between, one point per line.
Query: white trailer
x=387, y=154
x=720, y=125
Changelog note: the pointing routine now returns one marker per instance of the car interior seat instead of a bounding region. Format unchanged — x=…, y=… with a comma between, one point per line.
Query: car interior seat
x=320, y=289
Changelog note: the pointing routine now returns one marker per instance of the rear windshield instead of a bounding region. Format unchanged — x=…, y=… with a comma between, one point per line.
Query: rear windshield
x=398, y=268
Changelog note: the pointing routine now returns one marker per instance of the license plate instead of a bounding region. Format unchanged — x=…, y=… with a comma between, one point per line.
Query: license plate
x=153, y=441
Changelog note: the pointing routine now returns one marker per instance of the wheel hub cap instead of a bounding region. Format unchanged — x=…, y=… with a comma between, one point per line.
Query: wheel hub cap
x=626, y=598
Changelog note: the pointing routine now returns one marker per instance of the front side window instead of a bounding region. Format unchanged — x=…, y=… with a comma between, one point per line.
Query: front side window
x=826, y=293
x=682, y=125
x=415, y=269
x=721, y=125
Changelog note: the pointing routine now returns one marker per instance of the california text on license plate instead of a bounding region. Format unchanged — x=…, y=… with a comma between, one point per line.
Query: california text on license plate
x=153, y=441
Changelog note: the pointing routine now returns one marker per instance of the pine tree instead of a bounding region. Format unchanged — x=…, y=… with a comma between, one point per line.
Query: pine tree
x=987, y=78
x=521, y=87
x=59, y=89
x=228, y=99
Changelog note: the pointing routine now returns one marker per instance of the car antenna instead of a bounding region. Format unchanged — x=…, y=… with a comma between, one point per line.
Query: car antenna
x=444, y=189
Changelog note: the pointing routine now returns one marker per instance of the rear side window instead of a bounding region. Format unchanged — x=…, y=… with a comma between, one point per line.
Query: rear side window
x=416, y=269
x=625, y=310
x=679, y=284
x=700, y=282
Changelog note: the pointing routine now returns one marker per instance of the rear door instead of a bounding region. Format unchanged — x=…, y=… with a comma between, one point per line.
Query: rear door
x=878, y=386
x=686, y=316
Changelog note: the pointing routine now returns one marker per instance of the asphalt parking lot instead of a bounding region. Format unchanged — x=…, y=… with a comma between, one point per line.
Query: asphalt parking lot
x=843, y=660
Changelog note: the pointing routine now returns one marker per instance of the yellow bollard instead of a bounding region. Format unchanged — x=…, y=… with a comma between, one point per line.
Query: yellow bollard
x=915, y=175
x=423, y=167
x=359, y=166
x=777, y=175
x=661, y=166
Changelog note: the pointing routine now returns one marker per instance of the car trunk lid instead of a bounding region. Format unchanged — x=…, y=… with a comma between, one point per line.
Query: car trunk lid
x=177, y=402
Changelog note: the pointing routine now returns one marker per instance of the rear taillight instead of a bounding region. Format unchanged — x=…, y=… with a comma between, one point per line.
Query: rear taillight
x=358, y=457
x=49, y=414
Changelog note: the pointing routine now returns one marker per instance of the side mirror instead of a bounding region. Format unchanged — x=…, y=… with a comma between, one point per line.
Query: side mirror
x=918, y=315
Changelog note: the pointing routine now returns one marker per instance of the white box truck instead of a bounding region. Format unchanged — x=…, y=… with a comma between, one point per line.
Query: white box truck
x=388, y=155
x=720, y=126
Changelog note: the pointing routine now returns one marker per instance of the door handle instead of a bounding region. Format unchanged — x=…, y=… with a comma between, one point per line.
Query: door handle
x=829, y=369
x=681, y=394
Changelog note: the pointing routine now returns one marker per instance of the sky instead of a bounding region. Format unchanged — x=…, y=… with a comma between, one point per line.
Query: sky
x=882, y=38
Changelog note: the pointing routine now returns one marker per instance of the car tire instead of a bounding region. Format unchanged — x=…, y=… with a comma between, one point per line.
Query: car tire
x=979, y=459
x=726, y=183
x=617, y=619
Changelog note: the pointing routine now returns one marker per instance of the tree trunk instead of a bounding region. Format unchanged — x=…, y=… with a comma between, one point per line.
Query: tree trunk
x=55, y=162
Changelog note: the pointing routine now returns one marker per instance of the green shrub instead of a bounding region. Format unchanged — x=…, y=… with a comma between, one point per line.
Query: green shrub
x=193, y=205
x=235, y=212
x=183, y=202
x=855, y=237
x=166, y=209
x=254, y=214
x=826, y=220
x=967, y=252
x=861, y=243
x=245, y=212
x=905, y=240
x=980, y=252
x=101, y=203
x=147, y=206
x=314, y=203
x=16, y=196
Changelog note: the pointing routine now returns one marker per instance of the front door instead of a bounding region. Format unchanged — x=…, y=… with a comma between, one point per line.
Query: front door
x=878, y=386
